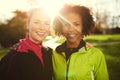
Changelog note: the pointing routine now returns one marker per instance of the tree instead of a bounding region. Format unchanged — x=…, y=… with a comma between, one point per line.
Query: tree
x=14, y=29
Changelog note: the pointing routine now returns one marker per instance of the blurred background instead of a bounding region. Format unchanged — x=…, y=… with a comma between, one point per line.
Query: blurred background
x=106, y=36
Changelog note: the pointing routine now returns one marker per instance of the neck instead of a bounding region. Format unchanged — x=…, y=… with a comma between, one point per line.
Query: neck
x=72, y=44
x=36, y=42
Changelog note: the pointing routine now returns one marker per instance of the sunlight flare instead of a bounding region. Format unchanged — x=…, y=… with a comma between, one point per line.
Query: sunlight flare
x=51, y=6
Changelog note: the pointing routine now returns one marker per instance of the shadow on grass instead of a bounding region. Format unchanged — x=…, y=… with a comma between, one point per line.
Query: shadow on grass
x=112, y=55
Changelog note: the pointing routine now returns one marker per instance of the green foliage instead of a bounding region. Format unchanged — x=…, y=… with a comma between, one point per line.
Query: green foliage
x=15, y=29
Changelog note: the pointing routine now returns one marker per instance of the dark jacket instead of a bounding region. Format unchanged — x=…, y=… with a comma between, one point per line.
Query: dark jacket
x=27, y=66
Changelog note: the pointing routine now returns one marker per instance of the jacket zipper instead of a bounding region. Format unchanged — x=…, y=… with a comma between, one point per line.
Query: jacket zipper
x=92, y=74
x=68, y=63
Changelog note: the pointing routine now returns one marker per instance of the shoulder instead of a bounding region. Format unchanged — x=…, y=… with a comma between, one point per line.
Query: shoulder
x=10, y=54
x=21, y=56
x=94, y=50
x=95, y=53
x=23, y=59
x=47, y=50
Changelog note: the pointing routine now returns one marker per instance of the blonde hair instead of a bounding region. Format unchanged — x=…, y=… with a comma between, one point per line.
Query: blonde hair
x=33, y=10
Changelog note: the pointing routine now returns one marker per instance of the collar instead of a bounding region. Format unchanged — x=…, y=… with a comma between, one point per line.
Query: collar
x=62, y=48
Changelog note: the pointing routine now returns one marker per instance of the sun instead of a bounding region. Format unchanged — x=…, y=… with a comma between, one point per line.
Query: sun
x=52, y=7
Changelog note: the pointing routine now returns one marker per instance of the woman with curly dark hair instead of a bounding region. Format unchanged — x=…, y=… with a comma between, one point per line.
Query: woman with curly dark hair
x=72, y=60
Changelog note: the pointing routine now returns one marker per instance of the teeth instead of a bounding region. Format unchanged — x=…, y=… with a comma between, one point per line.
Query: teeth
x=41, y=33
x=72, y=35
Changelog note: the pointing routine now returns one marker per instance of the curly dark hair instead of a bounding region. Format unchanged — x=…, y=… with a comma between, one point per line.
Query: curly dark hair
x=84, y=12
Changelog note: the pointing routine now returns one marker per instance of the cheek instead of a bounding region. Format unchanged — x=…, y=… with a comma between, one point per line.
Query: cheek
x=31, y=29
x=65, y=29
x=48, y=29
x=79, y=30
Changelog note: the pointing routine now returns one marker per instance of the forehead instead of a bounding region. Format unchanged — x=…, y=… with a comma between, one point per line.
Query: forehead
x=72, y=17
x=38, y=14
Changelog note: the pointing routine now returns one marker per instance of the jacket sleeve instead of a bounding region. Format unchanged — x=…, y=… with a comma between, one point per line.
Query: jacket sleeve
x=101, y=72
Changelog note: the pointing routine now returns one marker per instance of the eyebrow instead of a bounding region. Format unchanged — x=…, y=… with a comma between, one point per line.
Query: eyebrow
x=40, y=20
x=64, y=19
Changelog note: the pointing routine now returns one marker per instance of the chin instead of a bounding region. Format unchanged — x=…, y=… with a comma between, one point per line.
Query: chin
x=71, y=41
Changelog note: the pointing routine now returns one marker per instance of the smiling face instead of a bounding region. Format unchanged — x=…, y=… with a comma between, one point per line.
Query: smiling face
x=39, y=26
x=72, y=28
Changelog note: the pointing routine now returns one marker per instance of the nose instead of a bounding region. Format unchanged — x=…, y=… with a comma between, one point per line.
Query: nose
x=41, y=26
x=71, y=28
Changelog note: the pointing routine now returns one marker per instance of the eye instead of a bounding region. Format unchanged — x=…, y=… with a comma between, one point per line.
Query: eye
x=47, y=23
x=66, y=24
x=76, y=24
x=36, y=22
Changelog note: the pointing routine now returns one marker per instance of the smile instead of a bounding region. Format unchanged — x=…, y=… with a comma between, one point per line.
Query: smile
x=71, y=35
x=40, y=33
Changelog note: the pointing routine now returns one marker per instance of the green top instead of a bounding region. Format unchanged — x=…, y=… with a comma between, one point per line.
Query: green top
x=86, y=64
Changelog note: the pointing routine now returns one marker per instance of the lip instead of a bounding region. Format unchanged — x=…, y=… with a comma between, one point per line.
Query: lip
x=71, y=35
x=40, y=33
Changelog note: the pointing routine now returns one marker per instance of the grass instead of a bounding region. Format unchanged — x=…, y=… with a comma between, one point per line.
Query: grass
x=102, y=38
x=3, y=52
x=111, y=52
x=112, y=55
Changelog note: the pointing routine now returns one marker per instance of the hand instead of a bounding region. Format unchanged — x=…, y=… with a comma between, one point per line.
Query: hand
x=89, y=44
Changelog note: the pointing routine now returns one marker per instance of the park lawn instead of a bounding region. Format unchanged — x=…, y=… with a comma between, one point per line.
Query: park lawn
x=112, y=55
x=111, y=52
x=3, y=52
x=103, y=38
